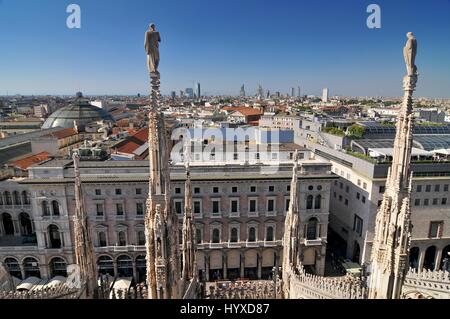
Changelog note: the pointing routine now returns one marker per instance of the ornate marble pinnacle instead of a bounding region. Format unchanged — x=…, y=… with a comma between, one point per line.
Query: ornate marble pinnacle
x=393, y=221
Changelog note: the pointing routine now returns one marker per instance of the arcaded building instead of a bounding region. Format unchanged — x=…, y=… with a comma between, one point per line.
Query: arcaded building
x=239, y=215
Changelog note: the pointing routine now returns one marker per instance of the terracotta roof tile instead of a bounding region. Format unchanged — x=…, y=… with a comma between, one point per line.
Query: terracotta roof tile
x=26, y=162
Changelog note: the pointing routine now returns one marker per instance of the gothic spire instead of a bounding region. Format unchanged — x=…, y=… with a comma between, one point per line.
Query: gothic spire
x=393, y=221
x=84, y=250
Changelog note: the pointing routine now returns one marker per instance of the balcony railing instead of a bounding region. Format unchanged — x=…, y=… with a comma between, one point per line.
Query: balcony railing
x=253, y=214
x=235, y=214
x=272, y=213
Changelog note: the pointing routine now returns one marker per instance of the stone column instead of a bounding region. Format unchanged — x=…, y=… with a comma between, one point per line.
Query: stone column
x=207, y=266
x=135, y=272
x=22, y=271
x=421, y=259
x=259, y=264
x=16, y=227
x=437, y=261
x=224, y=260
x=116, y=272
x=242, y=265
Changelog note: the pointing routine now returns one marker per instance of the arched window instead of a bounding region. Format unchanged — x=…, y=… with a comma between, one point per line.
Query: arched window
x=234, y=235
x=252, y=234
x=141, y=268
x=16, y=197
x=8, y=200
x=269, y=233
x=445, y=261
x=141, y=237
x=31, y=267
x=317, y=202
x=198, y=236
x=102, y=239
x=414, y=257
x=216, y=235
x=55, y=208
x=13, y=267
x=311, y=231
x=8, y=225
x=26, y=227
x=124, y=266
x=105, y=265
x=54, y=237
x=309, y=201
x=180, y=236
x=45, y=208
x=58, y=267
x=25, y=198
x=122, y=238
x=430, y=255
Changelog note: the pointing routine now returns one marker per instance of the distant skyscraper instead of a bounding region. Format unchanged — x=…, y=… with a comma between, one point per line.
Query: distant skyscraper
x=260, y=92
x=173, y=95
x=190, y=92
x=325, y=95
x=181, y=94
x=277, y=94
x=199, y=95
x=242, y=93
x=299, y=92
x=292, y=92
x=268, y=94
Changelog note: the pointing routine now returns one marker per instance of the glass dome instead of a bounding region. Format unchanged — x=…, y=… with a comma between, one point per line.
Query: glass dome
x=80, y=112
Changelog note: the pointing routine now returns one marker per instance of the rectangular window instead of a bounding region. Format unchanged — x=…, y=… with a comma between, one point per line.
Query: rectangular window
x=235, y=156
x=216, y=207
x=382, y=189
x=234, y=189
x=253, y=189
x=288, y=188
x=118, y=191
x=196, y=190
x=437, y=188
x=179, y=207
x=301, y=155
x=197, y=207
x=335, y=183
x=138, y=191
x=444, y=201
x=347, y=189
x=428, y=188
x=234, y=206
x=139, y=209
x=286, y=204
x=436, y=229
x=271, y=189
x=270, y=205
x=177, y=190
x=446, y=188
x=215, y=190
x=346, y=202
x=98, y=192
x=364, y=199
x=119, y=209
x=340, y=198
x=358, y=195
x=426, y=201
x=252, y=206
x=365, y=185
x=419, y=188
x=379, y=203
x=359, y=182
x=417, y=202
x=341, y=185
x=435, y=201
x=99, y=209
x=358, y=225
x=334, y=194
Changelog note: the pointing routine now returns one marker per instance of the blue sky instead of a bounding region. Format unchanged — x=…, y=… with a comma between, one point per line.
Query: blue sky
x=223, y=44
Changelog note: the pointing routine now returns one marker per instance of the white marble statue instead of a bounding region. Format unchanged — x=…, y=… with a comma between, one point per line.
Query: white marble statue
x=152, y=39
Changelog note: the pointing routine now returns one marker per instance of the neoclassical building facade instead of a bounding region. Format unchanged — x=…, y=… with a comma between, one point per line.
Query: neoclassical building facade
x=238, y=211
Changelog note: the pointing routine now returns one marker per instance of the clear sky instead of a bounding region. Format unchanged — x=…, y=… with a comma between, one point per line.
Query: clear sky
x=223, y=44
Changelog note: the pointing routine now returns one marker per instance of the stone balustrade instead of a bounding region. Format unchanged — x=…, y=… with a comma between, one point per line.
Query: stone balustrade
x=61, y=291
